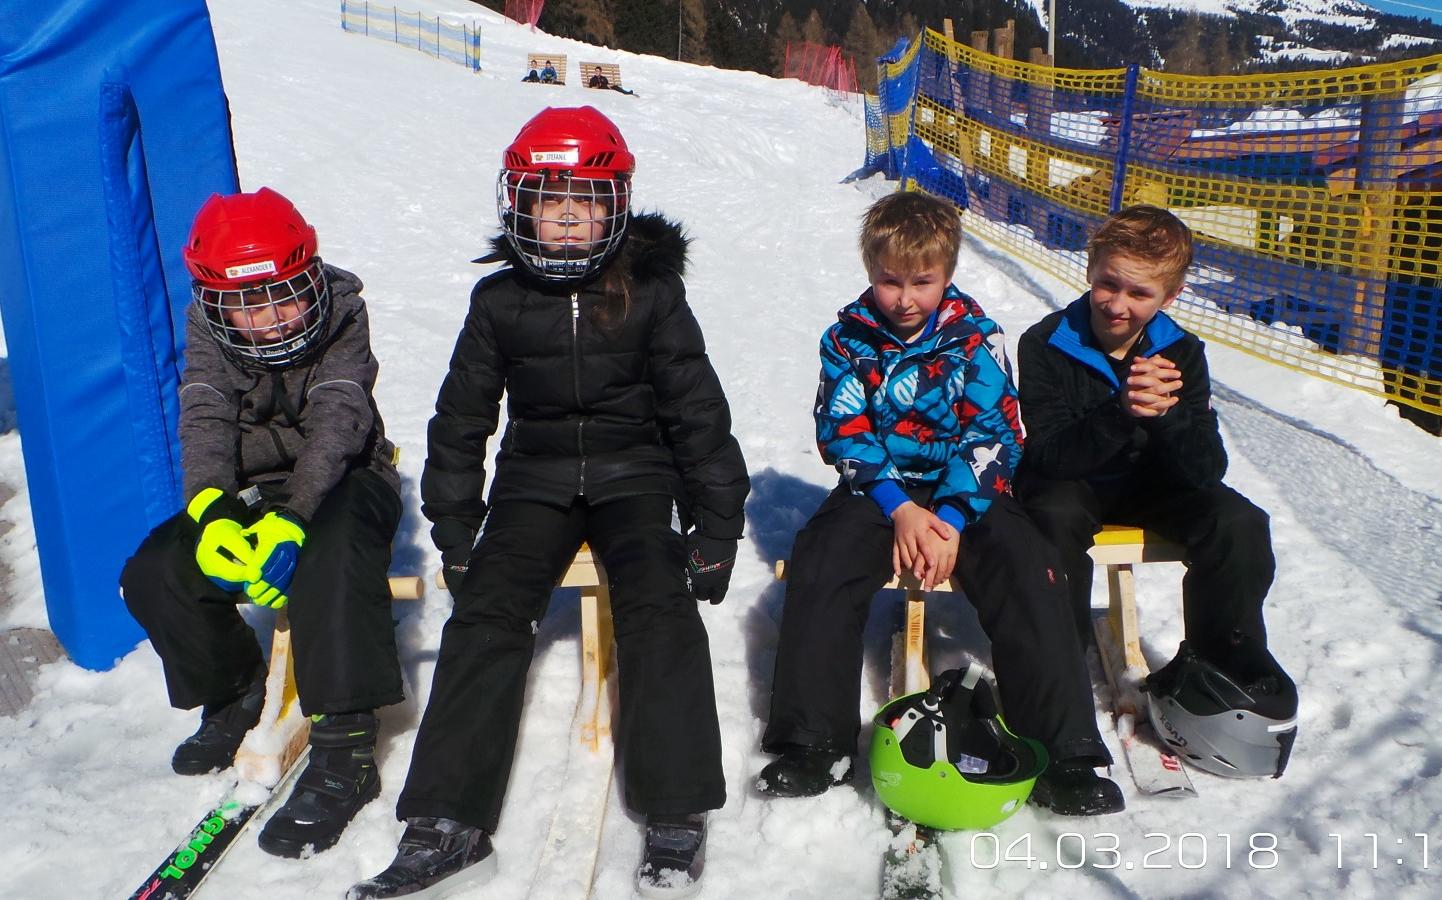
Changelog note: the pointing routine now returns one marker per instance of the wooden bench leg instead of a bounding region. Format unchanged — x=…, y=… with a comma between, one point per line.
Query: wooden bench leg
x=909, y=671
x=1122, y=613
x=596, y=661
x=283, y=732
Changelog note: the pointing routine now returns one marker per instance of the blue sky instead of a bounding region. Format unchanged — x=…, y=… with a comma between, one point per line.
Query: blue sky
x=1421, y=9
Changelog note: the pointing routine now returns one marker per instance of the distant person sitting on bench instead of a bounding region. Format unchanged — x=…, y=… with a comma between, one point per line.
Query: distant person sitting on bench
x=548, y=74
x=598, y=81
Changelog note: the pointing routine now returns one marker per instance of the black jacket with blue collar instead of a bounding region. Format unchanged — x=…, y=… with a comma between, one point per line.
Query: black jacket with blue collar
x=1075, y=426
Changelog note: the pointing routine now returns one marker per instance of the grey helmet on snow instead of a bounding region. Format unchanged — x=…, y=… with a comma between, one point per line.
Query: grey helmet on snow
x=1221, y=724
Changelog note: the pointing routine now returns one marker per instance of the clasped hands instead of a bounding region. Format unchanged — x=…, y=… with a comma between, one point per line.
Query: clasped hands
x=923, y=544
x=1152, y=388
x=258, y=560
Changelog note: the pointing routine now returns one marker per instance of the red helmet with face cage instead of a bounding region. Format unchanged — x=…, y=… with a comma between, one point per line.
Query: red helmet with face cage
x=564, y=192
x=256, y=273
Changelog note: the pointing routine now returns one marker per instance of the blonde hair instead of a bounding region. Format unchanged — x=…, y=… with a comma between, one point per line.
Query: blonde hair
x=1148, y=233
x=910, y=231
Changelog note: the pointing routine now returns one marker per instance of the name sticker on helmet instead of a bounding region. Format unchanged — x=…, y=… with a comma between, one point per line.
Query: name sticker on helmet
x=266, y=267
x=569, y=156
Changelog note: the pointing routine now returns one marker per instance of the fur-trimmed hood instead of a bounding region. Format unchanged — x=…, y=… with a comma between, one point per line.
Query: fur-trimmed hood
x=654, y=246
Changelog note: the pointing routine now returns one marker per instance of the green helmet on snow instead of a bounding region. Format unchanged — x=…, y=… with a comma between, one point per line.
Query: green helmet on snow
x=945, y=759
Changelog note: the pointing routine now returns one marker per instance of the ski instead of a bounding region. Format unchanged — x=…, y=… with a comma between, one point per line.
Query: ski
x=1156, y=771
x=195, y=857
x=911, y=868
x=567, y=868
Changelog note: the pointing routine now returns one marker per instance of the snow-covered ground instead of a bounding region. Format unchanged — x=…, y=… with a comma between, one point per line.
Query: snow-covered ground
x=393, y=155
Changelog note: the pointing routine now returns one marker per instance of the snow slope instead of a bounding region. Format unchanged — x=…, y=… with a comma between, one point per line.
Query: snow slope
x=392, y=155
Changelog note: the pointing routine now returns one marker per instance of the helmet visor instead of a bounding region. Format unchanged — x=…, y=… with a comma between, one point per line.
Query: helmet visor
x=270, y=324
x=563, y=227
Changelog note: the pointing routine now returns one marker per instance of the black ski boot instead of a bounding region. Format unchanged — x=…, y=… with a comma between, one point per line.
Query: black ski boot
x=222, y=728
x=338, y=780
x=804, y=772
x=674, y=857
x=1072, y=787
x=432, y=851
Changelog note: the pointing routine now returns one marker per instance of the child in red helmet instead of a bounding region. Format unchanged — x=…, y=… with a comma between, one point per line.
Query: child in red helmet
x=292, y=493
x=619, y=435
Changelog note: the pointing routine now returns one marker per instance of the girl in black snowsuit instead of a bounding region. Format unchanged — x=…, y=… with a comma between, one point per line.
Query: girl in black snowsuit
x=619, y=435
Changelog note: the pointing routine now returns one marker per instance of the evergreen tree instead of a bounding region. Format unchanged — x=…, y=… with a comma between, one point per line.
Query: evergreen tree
x=693, y=33
x=813, y=31
x=646, y=26
x=862, y=46
x=786, y=33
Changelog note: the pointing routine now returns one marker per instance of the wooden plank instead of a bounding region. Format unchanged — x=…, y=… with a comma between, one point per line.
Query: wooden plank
x=537, y=62
x=610, y=71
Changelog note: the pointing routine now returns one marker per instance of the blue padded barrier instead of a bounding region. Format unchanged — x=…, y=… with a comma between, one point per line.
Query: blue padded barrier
x=113, y=130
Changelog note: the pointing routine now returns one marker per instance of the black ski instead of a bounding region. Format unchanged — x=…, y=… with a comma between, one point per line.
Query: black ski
x=194, y=858
x=911, y=868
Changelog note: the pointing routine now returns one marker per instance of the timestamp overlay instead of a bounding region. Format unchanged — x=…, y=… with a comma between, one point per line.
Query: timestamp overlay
x=1186, y=861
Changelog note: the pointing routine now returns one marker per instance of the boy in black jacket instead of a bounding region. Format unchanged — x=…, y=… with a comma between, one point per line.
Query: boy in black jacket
x=1120, y=428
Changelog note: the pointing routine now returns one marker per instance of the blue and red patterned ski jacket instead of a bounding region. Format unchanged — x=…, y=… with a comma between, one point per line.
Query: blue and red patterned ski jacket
x=940, y=411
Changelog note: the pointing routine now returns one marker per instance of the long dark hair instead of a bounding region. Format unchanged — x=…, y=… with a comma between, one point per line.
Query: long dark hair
x=615, y=284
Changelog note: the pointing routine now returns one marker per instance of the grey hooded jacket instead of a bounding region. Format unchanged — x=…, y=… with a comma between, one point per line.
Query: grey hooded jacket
x=298, y=429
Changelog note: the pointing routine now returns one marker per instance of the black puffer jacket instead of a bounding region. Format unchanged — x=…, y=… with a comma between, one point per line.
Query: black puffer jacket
x=603, y=411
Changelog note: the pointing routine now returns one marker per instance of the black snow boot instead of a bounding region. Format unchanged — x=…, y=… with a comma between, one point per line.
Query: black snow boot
x=222, y=728
x=674, y=857
x=1072, y=787
x=433, y=851
x=338, y=780
x=804, y=772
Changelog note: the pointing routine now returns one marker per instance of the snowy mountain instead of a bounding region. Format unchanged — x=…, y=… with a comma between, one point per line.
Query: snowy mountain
x=1290, y=33
x=392, y=155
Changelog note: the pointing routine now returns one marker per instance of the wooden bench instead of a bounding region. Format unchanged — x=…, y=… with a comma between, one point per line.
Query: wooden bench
x=609, y=71
x=537, y=62
x=1117, y=547
x=593, y=709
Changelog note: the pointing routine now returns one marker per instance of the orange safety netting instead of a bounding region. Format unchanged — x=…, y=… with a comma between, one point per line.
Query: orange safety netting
x=527, y=12
x=824, y=66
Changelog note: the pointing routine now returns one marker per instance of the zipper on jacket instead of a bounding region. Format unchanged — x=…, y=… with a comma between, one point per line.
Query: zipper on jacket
x=576, y=384
x=581, y=443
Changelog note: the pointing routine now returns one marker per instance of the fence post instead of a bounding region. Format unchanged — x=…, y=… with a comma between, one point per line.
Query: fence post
x=342, y=16
x=1124, y=137
x=911, y=113
x=368, y=17
x=1379, y=146
x=395, y=26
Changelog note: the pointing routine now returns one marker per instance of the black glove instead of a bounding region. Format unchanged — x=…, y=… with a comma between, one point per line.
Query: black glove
x=455, y=562
x=709, y=562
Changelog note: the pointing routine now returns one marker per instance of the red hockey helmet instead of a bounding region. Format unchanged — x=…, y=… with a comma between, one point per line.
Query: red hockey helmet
x=255, y=271
x=564, y=192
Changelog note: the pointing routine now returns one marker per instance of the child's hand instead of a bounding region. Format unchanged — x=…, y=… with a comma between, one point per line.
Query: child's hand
x=940, y=549
x=911, y=547
x=1152, y=387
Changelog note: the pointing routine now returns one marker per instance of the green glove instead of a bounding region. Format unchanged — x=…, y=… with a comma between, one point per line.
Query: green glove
x=222, y=553
x=278, y=537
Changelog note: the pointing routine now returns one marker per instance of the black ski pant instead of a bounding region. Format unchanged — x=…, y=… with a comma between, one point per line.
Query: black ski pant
x=843, y=557
x=1227, y=539
x=667, y=731
x=342, y=636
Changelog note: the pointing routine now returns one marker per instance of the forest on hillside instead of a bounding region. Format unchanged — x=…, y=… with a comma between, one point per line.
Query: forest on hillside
x=753, y=34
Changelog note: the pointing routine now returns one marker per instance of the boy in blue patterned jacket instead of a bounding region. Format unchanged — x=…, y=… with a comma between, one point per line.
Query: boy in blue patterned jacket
x=917, y=410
